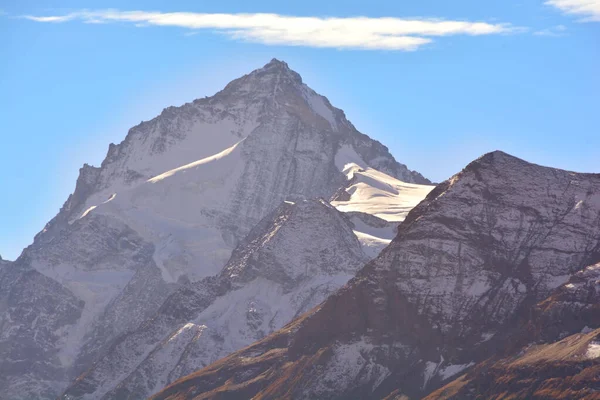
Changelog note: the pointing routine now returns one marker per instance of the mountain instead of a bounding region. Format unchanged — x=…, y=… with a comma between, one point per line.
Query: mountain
x=555, y=355
x=157, y=225
x=235, y=156
x=34, y=309
x=103, y=283
x=291, y=261
x=454, y=287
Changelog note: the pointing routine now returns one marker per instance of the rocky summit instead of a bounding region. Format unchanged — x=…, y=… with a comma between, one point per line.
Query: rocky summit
x=207, y=228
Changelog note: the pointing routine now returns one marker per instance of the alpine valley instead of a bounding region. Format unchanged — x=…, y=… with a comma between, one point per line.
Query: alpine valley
x=255, y=245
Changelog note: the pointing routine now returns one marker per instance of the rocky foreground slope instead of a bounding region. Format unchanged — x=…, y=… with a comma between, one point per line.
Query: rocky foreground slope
x=555, y=355
x=154, y=226
x=455, y=287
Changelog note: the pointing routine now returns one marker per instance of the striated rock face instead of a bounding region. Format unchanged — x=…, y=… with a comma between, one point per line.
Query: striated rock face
x=572, y=307
x=556, y=355
x=66, y=302
x=291, y=261
x=566, y=369
x=163, y=214
x=463, y=274
x=35, y=315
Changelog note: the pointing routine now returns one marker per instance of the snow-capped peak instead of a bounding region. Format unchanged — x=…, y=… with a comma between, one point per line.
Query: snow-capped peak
x=170, y=203
x=276, y=66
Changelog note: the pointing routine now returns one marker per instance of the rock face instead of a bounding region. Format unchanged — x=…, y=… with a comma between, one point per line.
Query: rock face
x=572, y=308
x=150, y=231
x=555, y=356
x=66, y=301
x=291, y=261
x=35, y=314
x=196, y=179
x=460, y=279
x=566, y=369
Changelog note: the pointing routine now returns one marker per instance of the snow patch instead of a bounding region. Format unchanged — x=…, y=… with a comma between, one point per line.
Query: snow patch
x=194, y=164
x=184, y=328
x=371, y=245
x=430, y=368
x=86, y=212
x=453, y=369
x=379, y=194
x=586, y=329
x=554, y=281
x=478, y=288
x=346, y=157
x=347, y=363
x=593, y=350
x=317, y=104
x=178, y=211
x=372, y=239
x=487, y=336
x=200, y=134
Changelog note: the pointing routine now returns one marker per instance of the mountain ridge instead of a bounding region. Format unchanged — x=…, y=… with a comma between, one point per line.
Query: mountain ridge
x=166, y=209
x=170, y=130
x=462, y=274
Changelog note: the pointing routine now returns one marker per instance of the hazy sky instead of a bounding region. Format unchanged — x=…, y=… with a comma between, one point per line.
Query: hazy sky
x=438, y=82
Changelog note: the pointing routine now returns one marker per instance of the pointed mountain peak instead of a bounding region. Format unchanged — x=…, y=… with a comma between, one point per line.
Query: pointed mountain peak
x=275, y=76
x=275, y=63
x=497, y=160
x=498, y=155
x=271, y=249
x=508, y=164
x=279, y=68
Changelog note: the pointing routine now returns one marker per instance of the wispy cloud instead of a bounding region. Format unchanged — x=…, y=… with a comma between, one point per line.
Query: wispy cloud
x=588, y=9
x=63, y=18
x=357, y=32
x=555, y=31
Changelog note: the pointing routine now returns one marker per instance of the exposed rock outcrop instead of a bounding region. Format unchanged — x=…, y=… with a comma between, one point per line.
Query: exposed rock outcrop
x=462, y=276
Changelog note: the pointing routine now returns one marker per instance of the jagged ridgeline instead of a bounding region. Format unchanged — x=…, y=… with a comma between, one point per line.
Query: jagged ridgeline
x=206, y=229
x=492, y=280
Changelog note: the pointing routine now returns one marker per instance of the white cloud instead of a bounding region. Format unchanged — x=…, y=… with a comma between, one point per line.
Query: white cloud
x=49, y=19
x=357, y=32
x=588, y=9
x=555, y=31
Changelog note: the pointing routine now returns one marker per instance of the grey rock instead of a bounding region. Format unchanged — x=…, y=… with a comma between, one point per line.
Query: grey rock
x=124, y=245
x=466, y=270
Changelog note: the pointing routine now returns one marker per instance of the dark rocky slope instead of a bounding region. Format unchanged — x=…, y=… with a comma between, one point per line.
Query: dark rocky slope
x=459, y=281
x=556, y=355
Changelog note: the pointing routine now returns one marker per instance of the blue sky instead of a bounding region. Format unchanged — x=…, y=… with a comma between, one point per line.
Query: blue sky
x=438, y=82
